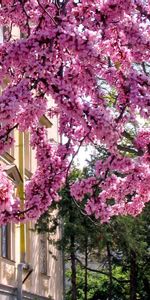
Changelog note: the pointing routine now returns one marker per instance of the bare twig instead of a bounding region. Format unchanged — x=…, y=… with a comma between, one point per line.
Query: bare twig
x=52, y=19
x=84, y=213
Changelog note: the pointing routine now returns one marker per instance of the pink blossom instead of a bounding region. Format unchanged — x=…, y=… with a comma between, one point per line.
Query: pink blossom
x=91, y=58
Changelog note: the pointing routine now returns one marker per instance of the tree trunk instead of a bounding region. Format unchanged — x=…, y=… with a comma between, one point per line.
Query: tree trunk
x=133, y=275
x=110, y=272
x=73, y=268
x=86, y=271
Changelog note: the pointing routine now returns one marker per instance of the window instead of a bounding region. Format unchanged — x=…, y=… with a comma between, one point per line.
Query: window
x=5, y=235
x=43, y=254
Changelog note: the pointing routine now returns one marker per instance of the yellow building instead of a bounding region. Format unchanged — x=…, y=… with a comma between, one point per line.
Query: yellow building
x=45, y=273
x=28, y=270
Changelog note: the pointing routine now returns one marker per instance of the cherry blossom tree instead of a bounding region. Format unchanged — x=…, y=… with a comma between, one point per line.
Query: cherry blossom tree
x=92, y=58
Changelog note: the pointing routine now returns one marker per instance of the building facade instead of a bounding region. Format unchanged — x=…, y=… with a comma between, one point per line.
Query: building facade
x=30, y=268
x=43, y=263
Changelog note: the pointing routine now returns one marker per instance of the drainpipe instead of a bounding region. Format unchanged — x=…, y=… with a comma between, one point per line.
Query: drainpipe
x=20, y=280
x=21, y=192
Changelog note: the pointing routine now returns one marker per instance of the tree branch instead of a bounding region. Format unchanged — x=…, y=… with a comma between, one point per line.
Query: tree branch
x=100, y=272
x=130, y=150
x=8, y=132
x=52, y=19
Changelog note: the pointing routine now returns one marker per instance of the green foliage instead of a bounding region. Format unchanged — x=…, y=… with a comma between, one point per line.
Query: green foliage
x=124, y=234
x=97, y=285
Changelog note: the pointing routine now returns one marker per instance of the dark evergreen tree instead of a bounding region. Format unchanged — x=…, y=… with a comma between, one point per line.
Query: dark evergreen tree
x=119, y=250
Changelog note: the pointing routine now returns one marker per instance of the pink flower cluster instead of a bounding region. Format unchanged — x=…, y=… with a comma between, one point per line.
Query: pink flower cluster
x=6, y=190
x=92, y=58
